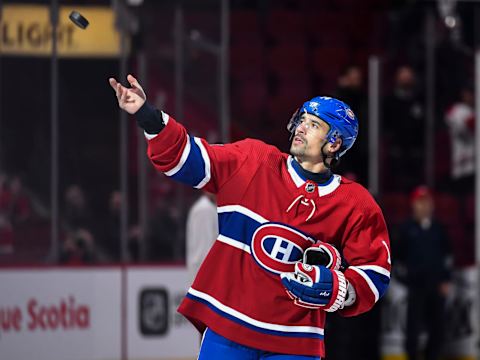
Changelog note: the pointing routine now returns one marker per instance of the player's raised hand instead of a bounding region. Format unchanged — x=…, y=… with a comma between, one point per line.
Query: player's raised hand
x=129, y=99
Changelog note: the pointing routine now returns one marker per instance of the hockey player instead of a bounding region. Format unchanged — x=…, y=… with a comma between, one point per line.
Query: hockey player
x=256, y=295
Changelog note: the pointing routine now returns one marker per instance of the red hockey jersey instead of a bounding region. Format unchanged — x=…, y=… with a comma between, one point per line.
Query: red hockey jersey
x=268, y=215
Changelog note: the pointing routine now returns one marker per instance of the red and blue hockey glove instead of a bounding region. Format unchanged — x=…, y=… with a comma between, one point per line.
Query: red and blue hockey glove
x=323, y=254
x=316, y=287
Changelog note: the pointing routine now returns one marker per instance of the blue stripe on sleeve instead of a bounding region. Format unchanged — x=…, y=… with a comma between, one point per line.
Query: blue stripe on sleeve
x=380, y=281
x=193, y=171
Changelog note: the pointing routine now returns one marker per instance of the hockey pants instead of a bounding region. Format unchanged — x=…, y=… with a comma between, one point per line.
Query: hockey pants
x=216, y=347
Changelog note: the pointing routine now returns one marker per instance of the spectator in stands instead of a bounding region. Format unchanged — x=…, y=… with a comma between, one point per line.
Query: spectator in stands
x=6, y=235
x=202, y=231
x=76, y=211
x=4, y=194
x=16, y=202
x=460, y=118
x=162, y=229
x=78, y=248
x=351, y=90
x=403, y=126
x=423, y=262
x=134, y=242
x=111, y=239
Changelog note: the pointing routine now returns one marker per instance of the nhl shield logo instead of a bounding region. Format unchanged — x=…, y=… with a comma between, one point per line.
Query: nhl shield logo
x=309, y=187
x=277, y=247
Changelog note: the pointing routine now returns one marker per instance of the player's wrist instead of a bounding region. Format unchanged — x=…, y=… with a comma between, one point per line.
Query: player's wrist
x=150, y=119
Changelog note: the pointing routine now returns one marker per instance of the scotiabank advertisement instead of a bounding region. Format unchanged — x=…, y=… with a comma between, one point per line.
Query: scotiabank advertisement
x=59, y=315
x=115, y=313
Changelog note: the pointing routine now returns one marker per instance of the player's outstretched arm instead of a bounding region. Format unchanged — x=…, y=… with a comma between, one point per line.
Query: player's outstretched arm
x=129, y=99
x=172, y=150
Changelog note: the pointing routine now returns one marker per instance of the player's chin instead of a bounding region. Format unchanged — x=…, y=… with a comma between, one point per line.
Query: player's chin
x=297, y=150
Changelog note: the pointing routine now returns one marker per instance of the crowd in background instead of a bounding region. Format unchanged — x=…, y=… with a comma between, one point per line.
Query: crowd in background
x=85, y=237
x=90, y=237
x=281, y=69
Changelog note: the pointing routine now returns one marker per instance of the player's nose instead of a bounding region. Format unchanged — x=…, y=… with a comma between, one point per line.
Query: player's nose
x=301, y=128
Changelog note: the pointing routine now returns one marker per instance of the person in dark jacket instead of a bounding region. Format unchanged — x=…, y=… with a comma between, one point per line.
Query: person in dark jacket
x=423, y=258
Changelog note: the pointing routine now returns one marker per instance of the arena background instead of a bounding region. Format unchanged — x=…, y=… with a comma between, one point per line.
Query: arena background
x=92, y=240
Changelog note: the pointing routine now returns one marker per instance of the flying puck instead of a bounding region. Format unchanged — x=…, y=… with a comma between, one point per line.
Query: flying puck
x=78, y=19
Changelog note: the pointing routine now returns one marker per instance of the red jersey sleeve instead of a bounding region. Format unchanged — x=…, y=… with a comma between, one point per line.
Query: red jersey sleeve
x=191, y=160
x=367, y=252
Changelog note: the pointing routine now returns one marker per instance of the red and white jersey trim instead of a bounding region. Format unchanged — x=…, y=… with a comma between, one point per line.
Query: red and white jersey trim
x=206, y=159
x=242, y=210
x=234, y=243
x=369, y=282
x=375, y=268
x=181, y=162
x=261, y=324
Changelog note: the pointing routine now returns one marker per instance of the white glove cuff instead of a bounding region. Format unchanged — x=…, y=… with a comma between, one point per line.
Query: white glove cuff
x=351, y=295
x=341, y=293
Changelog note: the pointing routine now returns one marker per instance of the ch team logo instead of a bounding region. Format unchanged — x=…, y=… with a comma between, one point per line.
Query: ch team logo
x=350, y=114
x=277, y=247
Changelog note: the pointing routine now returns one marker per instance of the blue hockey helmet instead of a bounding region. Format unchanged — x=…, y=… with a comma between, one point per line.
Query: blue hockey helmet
x=338, y=115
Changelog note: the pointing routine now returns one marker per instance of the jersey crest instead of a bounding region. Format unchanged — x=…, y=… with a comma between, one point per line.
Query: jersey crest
x=277, y=247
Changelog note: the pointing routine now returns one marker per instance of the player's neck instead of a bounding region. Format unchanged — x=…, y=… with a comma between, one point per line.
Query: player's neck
x=314, y=167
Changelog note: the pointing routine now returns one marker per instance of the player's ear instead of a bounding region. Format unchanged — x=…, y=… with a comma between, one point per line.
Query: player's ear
x=335, y=146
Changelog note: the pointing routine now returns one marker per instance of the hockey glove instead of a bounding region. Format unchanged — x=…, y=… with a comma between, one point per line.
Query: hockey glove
x=316, y=287
x=323, y=254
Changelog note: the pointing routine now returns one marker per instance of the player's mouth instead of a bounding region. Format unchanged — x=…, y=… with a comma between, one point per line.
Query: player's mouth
x=298, y=140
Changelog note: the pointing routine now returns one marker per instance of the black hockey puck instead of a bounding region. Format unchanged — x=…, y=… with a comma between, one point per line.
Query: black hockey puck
x=78, y=19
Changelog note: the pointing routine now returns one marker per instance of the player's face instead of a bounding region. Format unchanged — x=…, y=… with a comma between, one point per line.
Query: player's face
x=310, y=136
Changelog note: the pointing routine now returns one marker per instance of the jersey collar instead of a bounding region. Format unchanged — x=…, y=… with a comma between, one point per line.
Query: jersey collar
x=299, y=178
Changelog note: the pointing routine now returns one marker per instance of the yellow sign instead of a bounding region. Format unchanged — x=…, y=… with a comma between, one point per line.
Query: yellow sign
x=25, y=30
